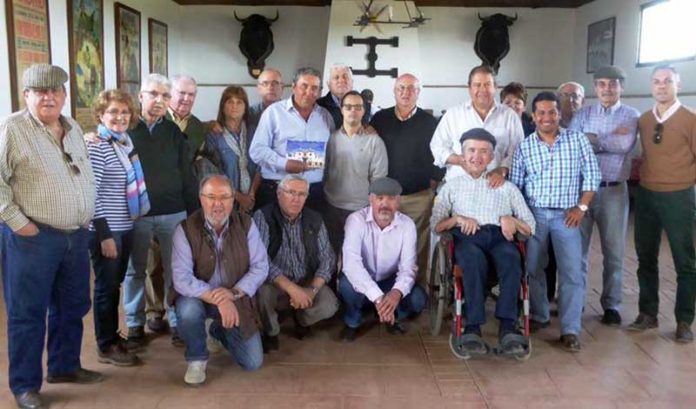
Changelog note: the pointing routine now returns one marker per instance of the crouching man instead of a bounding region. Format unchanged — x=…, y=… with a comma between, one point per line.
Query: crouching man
x=218, y=263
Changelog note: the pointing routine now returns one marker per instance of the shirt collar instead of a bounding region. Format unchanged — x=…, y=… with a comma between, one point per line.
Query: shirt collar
x=289, y=106
x=152, y=126
x=335, y=99
x=371, y=219
x=470, y=105
x=668, y=113
x=611, y=110
x=408, y=116
x=176, y=116
x=63, y=121
x=212, y=231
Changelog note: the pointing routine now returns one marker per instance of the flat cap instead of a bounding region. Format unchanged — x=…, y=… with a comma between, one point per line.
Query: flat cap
x=611, y=72
x=385, y=187
x=478, y=134
x=43, y=76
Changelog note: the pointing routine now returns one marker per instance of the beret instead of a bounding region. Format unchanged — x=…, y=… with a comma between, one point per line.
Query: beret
x=385, y=187
x=478, y=134
x=611, y=72
x=44, y=76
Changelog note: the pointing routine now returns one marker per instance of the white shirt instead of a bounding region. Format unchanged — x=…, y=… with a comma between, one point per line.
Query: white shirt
x=501, y=121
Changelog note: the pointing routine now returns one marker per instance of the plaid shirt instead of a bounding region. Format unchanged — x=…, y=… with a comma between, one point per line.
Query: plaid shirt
x=611, y=147
x=554, y=176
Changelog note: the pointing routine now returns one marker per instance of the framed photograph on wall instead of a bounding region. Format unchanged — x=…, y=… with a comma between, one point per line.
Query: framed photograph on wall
x=600, y=44
x=127, y=49
x=29, y=41
x=158, y=46
x=86, y=45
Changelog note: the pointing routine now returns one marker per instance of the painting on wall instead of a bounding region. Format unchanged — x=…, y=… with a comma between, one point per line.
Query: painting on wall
x=86, y=44
x=127, y=49
x=158, y=46
x=29, y=41
x=600, y=44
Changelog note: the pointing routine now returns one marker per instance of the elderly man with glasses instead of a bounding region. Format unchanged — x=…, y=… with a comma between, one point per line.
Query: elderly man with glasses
x=301, y=263
x=665, y=201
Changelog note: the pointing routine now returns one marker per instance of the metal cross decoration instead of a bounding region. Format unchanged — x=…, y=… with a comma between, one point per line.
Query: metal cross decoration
x=372, y=43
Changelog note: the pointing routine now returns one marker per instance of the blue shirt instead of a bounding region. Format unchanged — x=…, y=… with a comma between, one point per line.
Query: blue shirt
x=280, y=123
x=616, y=128
x=553, y=176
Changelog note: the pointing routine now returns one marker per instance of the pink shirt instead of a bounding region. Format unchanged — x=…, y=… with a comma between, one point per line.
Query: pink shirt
x=371, y=254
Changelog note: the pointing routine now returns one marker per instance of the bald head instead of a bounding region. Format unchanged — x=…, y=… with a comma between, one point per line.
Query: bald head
x=270, y=86
x=406, y=92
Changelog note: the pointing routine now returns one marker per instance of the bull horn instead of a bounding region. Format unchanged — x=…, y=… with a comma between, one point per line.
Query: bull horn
x=515, y=19
x=275, y=19
x=480, y=18
x=237, y=18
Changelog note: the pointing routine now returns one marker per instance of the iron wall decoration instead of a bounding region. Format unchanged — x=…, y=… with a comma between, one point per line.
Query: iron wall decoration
x=372, y=43
x=256, y=41
x=127, y=49
x=600, y=44
x=493, y=39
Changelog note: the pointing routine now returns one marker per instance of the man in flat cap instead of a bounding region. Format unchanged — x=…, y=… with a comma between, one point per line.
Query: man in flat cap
x=483, y=221
x=611, y=128
x=47, y=196
x=379, y=262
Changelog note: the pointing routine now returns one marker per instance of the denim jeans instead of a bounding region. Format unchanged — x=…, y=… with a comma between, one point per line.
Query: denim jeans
x=609, y=209
x=411, y=304
x=567, y=245
x=108, y=276
x=192, y=313
x=472, y=254
x=162, y=227
x=45, y=272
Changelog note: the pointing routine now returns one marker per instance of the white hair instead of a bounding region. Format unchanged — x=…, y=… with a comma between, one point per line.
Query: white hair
x=157, y=79
x=560, y=87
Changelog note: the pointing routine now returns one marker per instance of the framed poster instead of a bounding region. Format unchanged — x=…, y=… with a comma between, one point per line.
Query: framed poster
x=600, y=44
x=29, y=41
x=86, y=45
x=158, y=46
x=127, y=49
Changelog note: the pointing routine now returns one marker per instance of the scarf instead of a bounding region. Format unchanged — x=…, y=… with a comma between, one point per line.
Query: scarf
x=239, y=147
x=136, y=192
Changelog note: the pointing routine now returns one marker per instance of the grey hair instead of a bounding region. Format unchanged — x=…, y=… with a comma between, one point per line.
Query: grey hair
x=666, y=67
x=305, y=71
x=341, y=66
x=183, y=77
x=560, y=87
x=291, y=177
x=210, y=176
x=158, y=79
x=274, y=70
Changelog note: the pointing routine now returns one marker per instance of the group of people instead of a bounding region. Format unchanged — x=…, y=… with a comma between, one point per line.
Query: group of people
x=300, y=207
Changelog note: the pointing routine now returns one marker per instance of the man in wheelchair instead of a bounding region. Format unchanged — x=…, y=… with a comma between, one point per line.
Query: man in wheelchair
x=483, y=221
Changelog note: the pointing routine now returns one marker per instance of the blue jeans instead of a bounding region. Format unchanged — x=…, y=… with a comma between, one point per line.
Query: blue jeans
x=354, y=301
x=567, y=245
x=163, y=227
x=609, y=209
x=108, y=276
x=192, y=313
x=46, y=272
x=471, y=254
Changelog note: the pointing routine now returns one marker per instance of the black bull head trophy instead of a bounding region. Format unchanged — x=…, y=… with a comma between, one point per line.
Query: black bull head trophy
x=256, y=41
x=493, y=40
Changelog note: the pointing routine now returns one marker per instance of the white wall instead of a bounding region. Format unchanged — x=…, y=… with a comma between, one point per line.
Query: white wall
x=637, y=86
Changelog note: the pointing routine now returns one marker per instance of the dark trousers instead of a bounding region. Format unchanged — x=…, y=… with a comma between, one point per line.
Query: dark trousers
x=48, y=272
x=472, y=254
x=674, y=212
x=335, y=221
x=267, y=193
x=551, y=271
x=108, y=276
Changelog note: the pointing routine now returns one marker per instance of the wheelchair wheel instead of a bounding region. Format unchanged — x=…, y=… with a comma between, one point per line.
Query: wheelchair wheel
x=524, y=357
x=456, y=347
x=438, y=288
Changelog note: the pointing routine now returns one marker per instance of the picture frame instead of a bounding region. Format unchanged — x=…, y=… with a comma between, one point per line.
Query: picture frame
x=158, y=46
x=29, y=41
x=128, y=67
x=600, y=44
x=86, y=49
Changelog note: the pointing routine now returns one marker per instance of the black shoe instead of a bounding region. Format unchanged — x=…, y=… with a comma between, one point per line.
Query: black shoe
x=570, y=342
x=136, y=338
x=535, y=326
x=684, y=334
x=643, y=322
x=118, y=355
x=81, y=376
x=396, y=328
x=348, y=334
x=177, y=341
x=269, y=343
x=157, y=325
x=611, y=317
x=301, y=332
x=29, y=400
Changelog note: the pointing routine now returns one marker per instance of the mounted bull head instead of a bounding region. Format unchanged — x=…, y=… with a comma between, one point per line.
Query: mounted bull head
x=492, y=39
x=256, y=41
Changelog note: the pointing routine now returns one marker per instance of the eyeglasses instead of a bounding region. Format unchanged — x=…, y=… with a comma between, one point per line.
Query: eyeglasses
x=214, y=198
x=353, y=107
x=572, y=95
x=295, y=194
x=267, y=84
x=116, y=112
x=403, y=88
x=69, y=160
x=657, y=138
x=155, y=95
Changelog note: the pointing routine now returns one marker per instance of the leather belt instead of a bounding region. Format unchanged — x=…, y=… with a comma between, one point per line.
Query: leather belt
x=609, y=184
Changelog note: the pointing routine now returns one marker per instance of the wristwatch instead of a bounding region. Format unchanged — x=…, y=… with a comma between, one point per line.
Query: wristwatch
x=315, y=290
x=582, y=207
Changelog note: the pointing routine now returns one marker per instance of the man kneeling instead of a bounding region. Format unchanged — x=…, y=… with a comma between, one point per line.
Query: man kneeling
x=379, y=262
x=483, y=221
x=218, y=263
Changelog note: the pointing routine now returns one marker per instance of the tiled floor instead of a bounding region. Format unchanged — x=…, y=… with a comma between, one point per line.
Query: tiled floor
x=615, y=370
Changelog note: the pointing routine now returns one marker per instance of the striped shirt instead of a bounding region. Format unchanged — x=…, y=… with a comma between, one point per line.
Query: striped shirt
x=616, y=128
x=39, y=180
x=474, y=198
x=110, y=181
x=290, y=259
x=554, y=176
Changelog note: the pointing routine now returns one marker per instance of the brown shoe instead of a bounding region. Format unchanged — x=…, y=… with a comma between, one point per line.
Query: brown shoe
x=117, y=355
x=570, y=343
x=684, y=334
x=81, y=376
x=643, y=322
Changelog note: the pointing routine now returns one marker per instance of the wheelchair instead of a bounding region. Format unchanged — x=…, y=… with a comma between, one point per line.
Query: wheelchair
x=446, y=291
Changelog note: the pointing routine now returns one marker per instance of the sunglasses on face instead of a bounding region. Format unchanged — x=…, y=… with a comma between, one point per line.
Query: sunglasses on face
x=657, y=138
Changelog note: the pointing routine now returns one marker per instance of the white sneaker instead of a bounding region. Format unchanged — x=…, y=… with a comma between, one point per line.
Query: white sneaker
x=195, y=374
x=214, y=345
